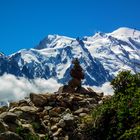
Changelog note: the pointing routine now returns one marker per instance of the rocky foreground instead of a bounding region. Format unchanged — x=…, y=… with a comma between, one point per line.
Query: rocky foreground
x=47, y=116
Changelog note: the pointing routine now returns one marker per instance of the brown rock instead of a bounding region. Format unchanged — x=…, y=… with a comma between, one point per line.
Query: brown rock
x=90, y=90
x=77, y=98
x=81, y=110
x=82, y=114
x=3, y=126
x=42, y=114
x=41, y=136
x=9, y=136
x=57, y=132
x=28, y=128
x=65, y=89
x=38, y=99
x=100, y=102
x=12, y=126
x=18, y=112
x=54, y=128
x=48, y=108
x=52, y=113
x=29, y=109
x=24, y=110
x=68, y=111
x=83, y=103
x=54, y=120
x=13, y=104
x=66, y=137
x=57, y=109
x=68, y=118
x=45, y=123
x=61, y=123
x=83, y=90
x=91, y=100
x=8, y=117
x=63, y=104
x=56, y=138
x=60, y=90
x=3, y=109
x=27, y=113
x=47, y=117
x=23, y=103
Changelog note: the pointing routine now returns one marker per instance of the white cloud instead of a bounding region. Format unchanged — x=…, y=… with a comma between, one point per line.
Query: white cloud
x=13, y=88
x=106, y=88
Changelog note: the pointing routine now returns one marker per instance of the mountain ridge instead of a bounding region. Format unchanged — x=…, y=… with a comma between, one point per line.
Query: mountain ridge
x=102, y=56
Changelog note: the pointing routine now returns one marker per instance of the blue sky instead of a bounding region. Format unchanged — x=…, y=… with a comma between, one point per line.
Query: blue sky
x=23, y=23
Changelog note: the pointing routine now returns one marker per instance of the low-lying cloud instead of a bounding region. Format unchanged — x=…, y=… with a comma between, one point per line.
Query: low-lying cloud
x=106, y=88
x=13, y=88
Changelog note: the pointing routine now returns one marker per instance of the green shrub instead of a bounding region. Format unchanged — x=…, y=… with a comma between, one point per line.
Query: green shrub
x=26, y=135
x=36, y=125
x=30, y=136
x=119, y=117
x=132, y=134
x=46, y=137
x=126, y=82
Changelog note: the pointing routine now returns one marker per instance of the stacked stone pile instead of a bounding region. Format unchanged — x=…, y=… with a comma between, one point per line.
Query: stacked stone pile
x=47, y=116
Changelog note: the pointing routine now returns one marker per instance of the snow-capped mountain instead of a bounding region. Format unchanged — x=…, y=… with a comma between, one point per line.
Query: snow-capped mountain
x=119, y=50
x=102, y=56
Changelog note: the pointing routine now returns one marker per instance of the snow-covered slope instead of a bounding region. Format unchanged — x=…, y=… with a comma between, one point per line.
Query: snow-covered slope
x=55, y=62
x=102, y=56
x=117, y=51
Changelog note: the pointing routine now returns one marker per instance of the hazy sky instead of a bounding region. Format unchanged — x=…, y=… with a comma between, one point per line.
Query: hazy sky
x=23, y=23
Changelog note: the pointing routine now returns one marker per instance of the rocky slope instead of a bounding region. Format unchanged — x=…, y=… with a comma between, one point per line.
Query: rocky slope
x=47, y=116
x=102, y=56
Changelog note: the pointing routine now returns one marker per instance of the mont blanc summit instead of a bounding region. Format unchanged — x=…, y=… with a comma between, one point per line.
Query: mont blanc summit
x=102, y=56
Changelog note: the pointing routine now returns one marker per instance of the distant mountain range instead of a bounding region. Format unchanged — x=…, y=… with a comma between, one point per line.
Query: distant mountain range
x=102, y=56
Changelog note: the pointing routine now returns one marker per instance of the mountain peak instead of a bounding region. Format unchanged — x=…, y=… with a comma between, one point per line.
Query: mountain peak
x=1, y=54
x=102, y=56
x=52, y=41
x=125, y=32
x=51, y=37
